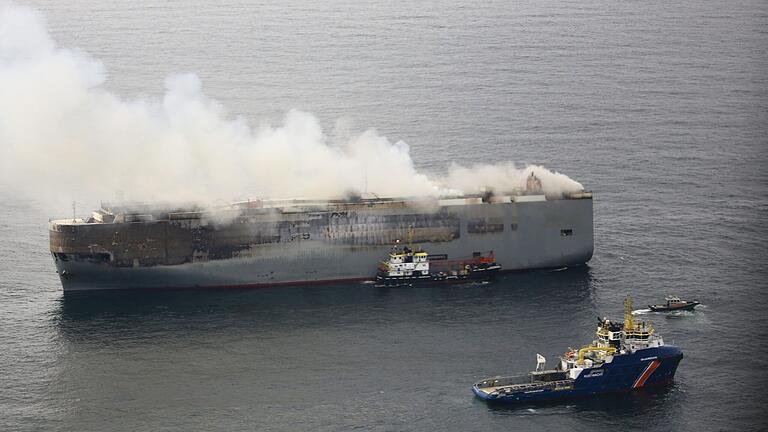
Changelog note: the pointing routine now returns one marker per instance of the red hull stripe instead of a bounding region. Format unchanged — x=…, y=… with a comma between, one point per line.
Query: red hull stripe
x=646, y=374
x=319, y=282
x=291, y=283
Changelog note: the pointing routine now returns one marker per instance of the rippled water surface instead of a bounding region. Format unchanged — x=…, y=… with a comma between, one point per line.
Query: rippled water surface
x=658, y=107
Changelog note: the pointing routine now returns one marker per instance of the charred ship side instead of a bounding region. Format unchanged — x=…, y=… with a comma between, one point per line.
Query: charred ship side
x=261, y=243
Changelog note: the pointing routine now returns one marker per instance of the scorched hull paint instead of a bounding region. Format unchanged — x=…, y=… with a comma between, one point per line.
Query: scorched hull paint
x=302, y=248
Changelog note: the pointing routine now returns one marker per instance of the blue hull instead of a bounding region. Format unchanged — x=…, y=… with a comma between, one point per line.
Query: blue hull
x=643, y=368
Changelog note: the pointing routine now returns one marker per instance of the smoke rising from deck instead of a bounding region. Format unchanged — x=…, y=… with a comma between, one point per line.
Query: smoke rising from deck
x=62, y=131
x=506, y=178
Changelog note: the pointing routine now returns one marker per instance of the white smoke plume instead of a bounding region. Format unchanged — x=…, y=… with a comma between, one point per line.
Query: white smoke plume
x=507, y=178
x=61, y=130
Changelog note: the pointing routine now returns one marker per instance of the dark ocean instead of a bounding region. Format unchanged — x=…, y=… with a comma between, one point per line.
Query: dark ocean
x=659, y=107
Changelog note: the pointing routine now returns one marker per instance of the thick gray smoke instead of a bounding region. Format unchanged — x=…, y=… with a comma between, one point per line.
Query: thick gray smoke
x=61, y=130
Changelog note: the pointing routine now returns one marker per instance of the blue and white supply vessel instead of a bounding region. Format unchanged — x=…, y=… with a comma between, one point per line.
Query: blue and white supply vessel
x=625, y=356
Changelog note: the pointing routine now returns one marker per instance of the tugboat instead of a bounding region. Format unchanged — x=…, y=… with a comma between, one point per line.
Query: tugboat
x=674, y=304
x=626, y=356
x=406, y=267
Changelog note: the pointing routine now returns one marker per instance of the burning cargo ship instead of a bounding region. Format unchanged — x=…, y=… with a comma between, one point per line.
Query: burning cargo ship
x=284, y=242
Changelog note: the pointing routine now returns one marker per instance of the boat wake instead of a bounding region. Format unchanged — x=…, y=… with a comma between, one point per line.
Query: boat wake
x=681, y=313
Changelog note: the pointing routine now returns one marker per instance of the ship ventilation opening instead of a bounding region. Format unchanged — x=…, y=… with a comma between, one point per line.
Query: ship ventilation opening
x=566, y=232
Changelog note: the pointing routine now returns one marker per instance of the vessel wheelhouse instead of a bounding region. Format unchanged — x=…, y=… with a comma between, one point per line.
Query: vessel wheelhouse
x=407, y=267
x=625, y=356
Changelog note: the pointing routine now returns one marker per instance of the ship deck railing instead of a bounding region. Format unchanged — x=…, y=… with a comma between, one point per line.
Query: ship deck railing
x=565, y=384
x=485, y=257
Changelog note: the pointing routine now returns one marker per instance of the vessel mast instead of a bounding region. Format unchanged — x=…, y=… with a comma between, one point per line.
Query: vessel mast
x=629, y=321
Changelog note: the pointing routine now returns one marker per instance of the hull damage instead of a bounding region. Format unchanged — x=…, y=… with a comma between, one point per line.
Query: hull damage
x=263, y=244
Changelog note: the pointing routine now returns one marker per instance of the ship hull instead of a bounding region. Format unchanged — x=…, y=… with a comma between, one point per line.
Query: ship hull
x=648, y=367
x=160, y=255
x=664, y=308
x=475, y=275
